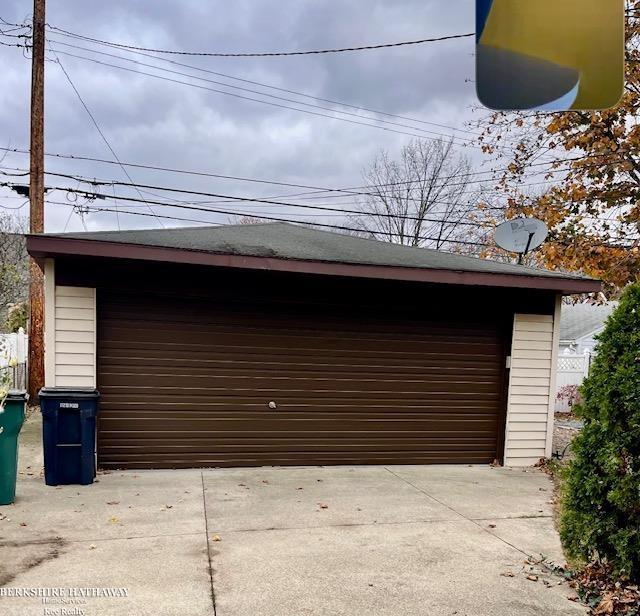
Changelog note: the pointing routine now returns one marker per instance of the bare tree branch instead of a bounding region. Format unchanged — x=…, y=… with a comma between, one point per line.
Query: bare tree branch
x=426, y=193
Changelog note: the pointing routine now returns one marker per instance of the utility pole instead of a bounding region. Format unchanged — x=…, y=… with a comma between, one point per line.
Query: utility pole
x=36, y=202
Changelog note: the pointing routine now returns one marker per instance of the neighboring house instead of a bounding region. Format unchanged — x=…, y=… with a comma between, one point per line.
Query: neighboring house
x=579, y=326
x=276, y=344
x=580, y=323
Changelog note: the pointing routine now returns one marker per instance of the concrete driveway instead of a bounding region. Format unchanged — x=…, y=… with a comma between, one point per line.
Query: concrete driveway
x=277, y=541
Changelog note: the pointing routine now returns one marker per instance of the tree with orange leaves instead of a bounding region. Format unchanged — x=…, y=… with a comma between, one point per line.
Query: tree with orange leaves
x=589, y=163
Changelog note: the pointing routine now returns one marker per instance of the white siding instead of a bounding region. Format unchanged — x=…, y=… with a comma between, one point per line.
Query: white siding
x=529, y=427
x=74, y=338
x=49, y=323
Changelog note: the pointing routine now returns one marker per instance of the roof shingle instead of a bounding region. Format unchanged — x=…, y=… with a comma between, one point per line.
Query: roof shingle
x=294, y=242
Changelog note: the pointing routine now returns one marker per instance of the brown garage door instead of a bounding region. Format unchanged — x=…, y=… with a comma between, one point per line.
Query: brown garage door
x=185, y=383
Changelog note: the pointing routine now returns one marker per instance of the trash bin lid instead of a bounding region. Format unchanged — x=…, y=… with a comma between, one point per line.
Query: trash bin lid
x=69, y=393
x=17, y=395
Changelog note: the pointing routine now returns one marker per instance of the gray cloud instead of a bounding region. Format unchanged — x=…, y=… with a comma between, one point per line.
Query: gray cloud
x=151, y=121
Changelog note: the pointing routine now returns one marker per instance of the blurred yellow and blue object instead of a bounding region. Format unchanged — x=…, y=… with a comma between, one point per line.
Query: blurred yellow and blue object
x=550, y=54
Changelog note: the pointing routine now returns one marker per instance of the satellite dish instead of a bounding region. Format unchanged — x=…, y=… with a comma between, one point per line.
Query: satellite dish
x=521, y=235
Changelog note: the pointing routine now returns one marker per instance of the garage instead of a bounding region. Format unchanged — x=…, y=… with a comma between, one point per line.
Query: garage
x=277, y=344
x=191, y=385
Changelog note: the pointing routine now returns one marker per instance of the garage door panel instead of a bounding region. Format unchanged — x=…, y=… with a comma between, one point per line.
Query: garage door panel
x=283, y=318
x=185, y=382
x=429, y=430
x=265, y=388
x=284, y=448
x=189, y=338
x=118, y=427
x=310, y=363
x=220, y=343
x=240, y=409
x=222, y=371
x=477, y=373
x=229, y=459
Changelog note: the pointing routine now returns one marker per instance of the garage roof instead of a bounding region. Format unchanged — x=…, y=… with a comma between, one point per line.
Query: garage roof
x=288, y=247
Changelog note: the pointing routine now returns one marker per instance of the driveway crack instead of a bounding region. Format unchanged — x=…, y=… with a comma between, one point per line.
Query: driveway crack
x=480, y=526
x=206, y=536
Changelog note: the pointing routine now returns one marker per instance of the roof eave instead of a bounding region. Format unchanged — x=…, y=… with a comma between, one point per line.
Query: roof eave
x=42, y=246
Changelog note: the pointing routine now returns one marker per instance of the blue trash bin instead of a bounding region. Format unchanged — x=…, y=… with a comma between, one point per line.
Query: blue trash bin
x=69, y=434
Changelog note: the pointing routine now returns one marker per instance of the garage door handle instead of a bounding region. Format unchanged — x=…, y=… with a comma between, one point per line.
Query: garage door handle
x=272, y=405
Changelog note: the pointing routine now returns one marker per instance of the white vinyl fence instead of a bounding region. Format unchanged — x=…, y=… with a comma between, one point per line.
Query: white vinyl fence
x=13, y=358
x=572, y=370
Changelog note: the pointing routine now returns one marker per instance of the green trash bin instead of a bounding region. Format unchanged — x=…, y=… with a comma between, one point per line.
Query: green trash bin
x=11, y=420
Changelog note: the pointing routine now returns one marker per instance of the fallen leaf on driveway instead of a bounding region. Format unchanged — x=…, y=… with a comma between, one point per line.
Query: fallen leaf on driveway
x=216, y=538
x=114, y=520
x=264, y=481
x=532, y=578
x=323, y=506
x=23, y=523
x=168, y=506
x=113, y=502
x=92, y=546
x=507, y=574
x=491, y=525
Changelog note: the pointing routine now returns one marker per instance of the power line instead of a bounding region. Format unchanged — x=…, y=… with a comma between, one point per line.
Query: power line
x=289, y=220
x=109, y=182
x=264, y=54
x=262, y=85
x=275, y=219
x=194, y=207
x=224, y=199
x=95, y=123
x=232, y=199
x=262, y=201
x=266, y=94
x=349, y=192
x=257, y=100
x=353, y=190
x=257, y=200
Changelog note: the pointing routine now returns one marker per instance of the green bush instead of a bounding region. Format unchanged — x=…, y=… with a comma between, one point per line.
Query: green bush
x=17, y=317
x=600, y=518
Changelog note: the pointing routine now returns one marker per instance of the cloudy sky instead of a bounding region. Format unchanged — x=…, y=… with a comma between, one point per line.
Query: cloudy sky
x=157, y=122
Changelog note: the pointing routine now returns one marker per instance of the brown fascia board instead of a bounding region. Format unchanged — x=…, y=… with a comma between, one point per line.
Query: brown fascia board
x=41, y=246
